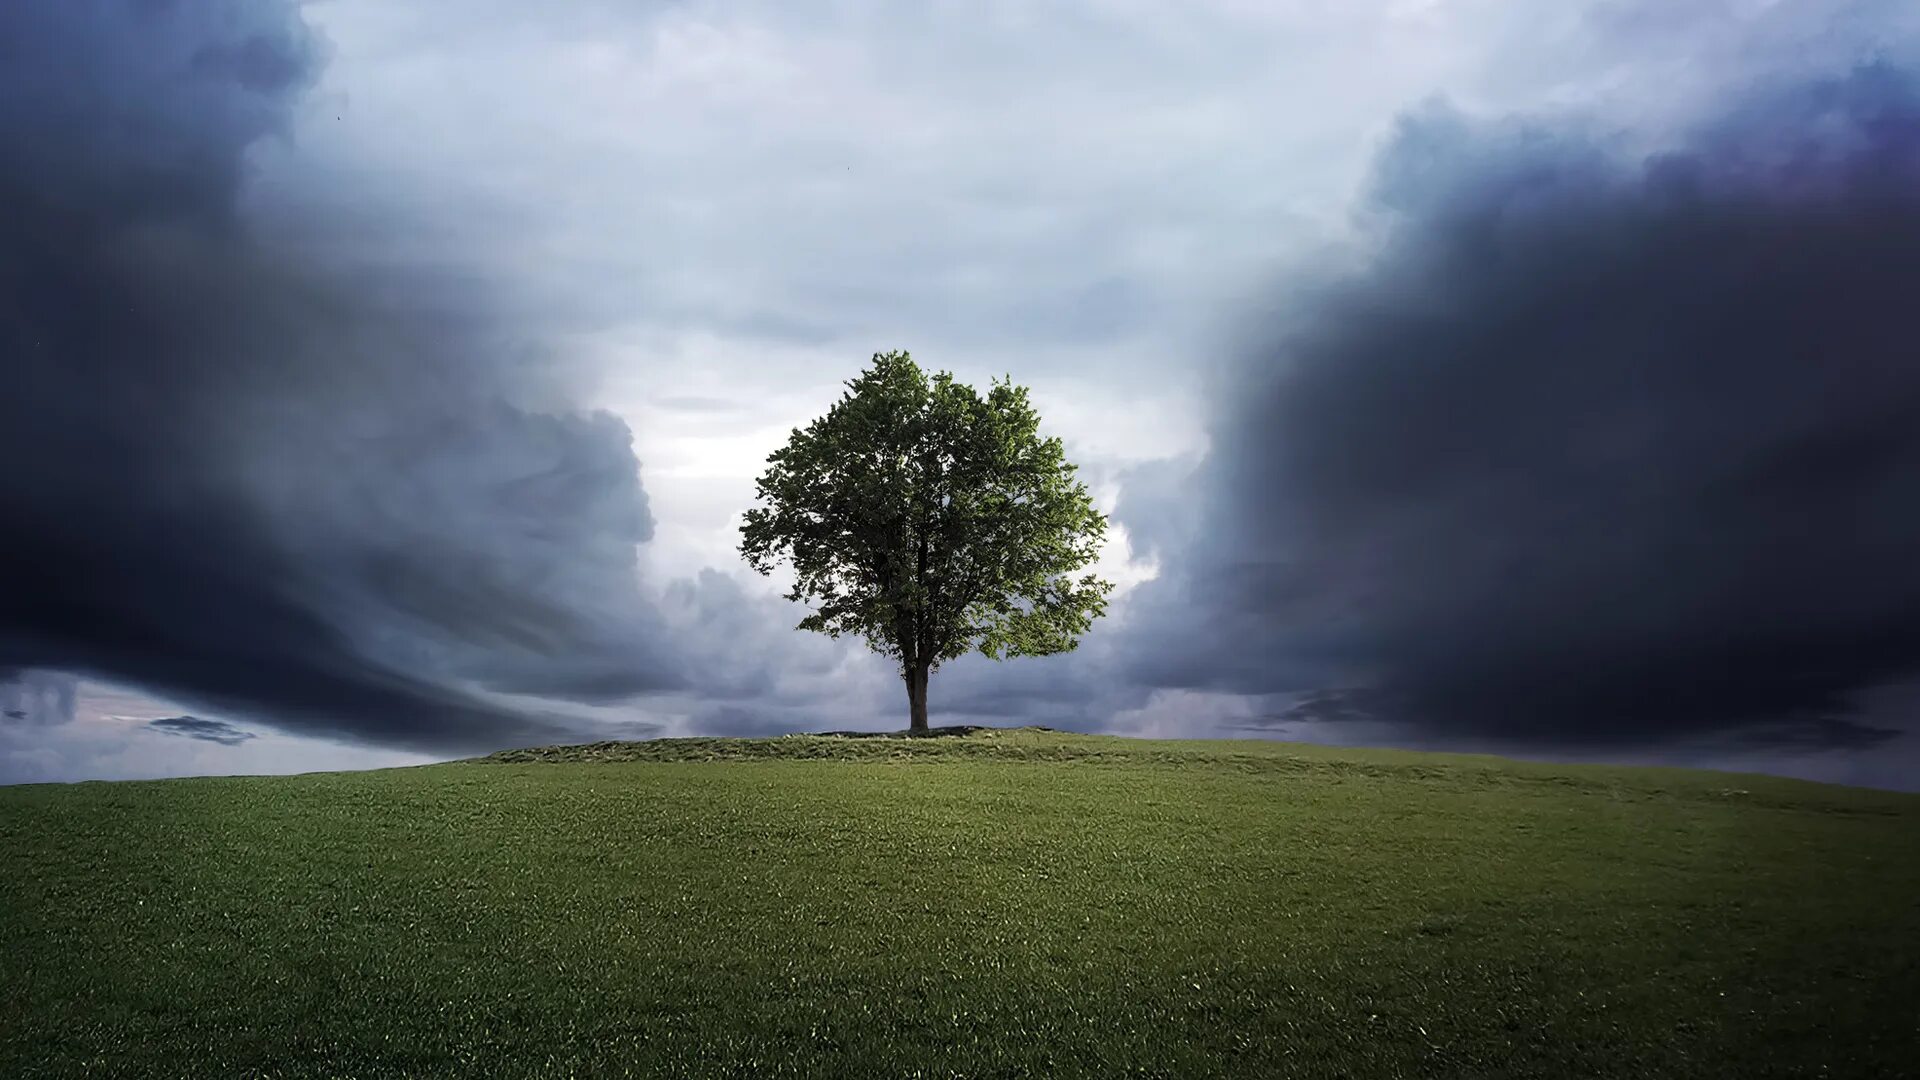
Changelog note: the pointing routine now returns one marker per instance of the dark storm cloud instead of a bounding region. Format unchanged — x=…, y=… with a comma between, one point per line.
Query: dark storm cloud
x=193, y=727
x=1599, y=446
x=248, y=478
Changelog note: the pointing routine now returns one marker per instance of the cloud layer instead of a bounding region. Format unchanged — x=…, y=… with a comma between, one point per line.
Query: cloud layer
x=1596, y=436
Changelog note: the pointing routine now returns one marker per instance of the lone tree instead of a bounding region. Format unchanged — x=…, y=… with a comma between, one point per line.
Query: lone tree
x=931, y=521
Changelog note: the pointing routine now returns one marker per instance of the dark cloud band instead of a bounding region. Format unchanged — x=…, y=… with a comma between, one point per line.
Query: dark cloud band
x=193, y=727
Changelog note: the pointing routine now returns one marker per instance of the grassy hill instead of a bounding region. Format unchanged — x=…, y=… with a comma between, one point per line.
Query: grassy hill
x=1008, y=903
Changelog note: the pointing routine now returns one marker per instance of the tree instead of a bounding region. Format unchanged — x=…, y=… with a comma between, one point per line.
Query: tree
x=931, y=521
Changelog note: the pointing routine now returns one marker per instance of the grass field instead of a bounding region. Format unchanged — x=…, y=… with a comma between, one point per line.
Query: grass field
x=1010, y=903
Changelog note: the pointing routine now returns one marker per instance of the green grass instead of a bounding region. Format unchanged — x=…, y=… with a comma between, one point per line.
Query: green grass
x=1011, y=903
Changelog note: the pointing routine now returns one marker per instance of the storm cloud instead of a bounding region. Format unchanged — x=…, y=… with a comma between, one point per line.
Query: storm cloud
x=1602, y=443
x=256, y=477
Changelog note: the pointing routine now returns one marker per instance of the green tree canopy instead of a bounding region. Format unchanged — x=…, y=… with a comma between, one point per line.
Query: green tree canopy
x=931, y=521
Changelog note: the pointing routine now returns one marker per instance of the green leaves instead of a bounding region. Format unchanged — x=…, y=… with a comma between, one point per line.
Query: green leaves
x=931, y=521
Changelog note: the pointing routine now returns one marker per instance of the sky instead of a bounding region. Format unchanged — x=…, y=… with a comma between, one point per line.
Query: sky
x=385, y=386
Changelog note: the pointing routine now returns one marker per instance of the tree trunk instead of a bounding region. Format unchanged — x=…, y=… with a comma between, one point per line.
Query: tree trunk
x=917, y=698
